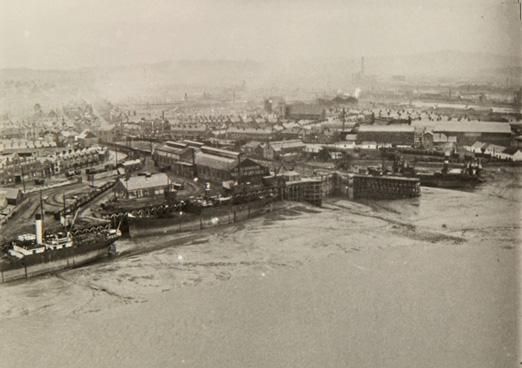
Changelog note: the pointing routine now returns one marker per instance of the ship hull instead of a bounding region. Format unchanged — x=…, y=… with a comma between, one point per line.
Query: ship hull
x=57, y=260
x=208, y=217
x=448, y=182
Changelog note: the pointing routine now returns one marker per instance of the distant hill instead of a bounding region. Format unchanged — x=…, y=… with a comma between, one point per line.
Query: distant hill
x=173, y=78
x=454, y=65
x=450, y=64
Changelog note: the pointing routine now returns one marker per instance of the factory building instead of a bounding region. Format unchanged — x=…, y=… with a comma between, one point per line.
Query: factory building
x=219, y=169
x=280, y=149
x=468, y=132
x=396, y=135
x=167, y=155
x=302, y=189
x=338, y=101
x=439, y=141
x=245, y=133
x=304, y=112
x=192, y=159
x=213, y=168
x=144, y=186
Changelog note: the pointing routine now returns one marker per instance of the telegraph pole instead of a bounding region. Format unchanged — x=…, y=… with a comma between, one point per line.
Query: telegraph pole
x=41, y=205
x=23, y=180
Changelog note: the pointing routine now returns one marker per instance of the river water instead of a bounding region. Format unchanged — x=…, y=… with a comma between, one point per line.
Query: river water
x=425, y=282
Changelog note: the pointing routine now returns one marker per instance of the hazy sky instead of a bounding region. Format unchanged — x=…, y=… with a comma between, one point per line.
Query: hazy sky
x=77, y=33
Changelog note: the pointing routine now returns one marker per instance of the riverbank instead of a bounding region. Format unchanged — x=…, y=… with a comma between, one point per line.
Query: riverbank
x=429, y=281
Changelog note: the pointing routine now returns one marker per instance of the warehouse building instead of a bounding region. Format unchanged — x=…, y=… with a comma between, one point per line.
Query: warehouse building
x=167, y=155
x=468, y=132
x=396, y=135
x=143, y=186
x=219, y=169
x=279, y=149
x=304, y=112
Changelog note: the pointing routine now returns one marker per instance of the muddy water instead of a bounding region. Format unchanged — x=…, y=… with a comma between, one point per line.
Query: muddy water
x=428, y=282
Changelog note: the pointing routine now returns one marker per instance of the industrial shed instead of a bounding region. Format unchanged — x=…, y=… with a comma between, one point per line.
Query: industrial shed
x=219, y=169
x=13, y=196
x=468, y=132
x=144, y=186
x=399, y=135
x=302, y=111
x=283, y=148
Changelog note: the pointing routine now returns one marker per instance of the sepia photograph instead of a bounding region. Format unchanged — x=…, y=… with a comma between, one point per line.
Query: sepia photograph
x=272, y=183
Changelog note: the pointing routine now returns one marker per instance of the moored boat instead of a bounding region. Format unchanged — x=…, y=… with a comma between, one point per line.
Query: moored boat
x=467, y=176
x=36, y=254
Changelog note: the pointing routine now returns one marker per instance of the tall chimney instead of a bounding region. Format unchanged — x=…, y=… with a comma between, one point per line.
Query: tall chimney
x=362, y=65
x=194, y=166
x=238, y=168
x=445, y=168
x=39, y=228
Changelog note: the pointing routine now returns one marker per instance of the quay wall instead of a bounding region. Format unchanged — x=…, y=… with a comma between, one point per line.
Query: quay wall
x=225, y=216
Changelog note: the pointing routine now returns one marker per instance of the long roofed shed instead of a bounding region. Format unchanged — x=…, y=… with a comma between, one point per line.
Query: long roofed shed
x=472, y=127
x=144, y=182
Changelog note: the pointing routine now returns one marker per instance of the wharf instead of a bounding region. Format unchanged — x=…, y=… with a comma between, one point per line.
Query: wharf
x=375, y=187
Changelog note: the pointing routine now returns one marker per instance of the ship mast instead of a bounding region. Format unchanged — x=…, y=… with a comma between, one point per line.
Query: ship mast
x=41, y=205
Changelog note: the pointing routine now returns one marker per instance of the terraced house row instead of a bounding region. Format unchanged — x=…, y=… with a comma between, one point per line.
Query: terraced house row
x=15, y=168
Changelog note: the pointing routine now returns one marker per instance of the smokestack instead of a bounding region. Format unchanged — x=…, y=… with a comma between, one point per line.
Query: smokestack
x=194, y=166
x=362, y=65
x=39, y=228
x=238, y=168
x=445, y=168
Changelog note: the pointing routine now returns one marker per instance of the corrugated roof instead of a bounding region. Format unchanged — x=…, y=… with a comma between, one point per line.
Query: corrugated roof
x=248, y=130
x=217, y=162
x=219, y=152
x=511, y=150
x=12, y=193
x=165, y=148
x=252, y=144
x=132, y=162
x=295, y=143
x=472, y=127
x=495, y=148
x=478, y=144
x=143, y=182
x=387, y=128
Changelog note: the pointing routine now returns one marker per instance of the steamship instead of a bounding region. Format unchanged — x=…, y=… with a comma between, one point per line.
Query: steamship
x=453, y=178
x=447, y=178
x=36, y=254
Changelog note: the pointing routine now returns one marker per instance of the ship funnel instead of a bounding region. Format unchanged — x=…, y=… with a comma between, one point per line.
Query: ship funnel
x=39, y=228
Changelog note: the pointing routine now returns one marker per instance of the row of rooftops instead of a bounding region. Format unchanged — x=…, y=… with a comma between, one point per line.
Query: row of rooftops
x=463, y=127
x=14, y=158
x=405, y=113
x=413, y=125
x=493, y=148
x=7, y=144
x=442, y=127
x=161, y=180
